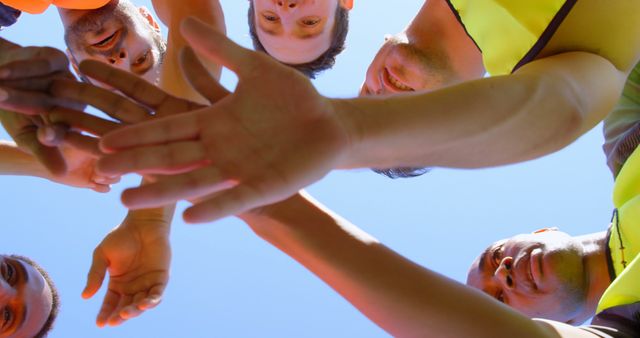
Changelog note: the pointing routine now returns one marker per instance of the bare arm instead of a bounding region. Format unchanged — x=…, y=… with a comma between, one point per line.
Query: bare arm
x=15, y=161
x=400, y=296
x=541, y=108
x=172, y=13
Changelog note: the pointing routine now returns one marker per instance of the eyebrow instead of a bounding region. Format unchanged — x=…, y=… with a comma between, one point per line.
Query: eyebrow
x=25, y=309
x=483, y=259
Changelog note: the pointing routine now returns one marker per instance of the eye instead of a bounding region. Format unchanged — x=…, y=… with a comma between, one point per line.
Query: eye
x=7, y=317
x=310, y=22
x=141, y=60
x=9, y=274
x=270, y=17
x=496, y=255
x=106, y=41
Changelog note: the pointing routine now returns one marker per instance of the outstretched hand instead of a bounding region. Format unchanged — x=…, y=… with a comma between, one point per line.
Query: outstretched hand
x=26, y=74
x=137, y=256
x=258, y=145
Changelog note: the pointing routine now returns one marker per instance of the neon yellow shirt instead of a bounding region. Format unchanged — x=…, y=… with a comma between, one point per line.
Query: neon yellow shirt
x=625, y=289
x=39, y=6
x=510, y=33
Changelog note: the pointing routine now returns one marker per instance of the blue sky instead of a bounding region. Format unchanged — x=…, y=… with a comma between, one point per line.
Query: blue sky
x=226, y=282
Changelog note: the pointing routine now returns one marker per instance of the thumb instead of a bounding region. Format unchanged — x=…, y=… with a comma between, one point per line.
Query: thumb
x=199, y=78
x=96, y=274
x=214, y=45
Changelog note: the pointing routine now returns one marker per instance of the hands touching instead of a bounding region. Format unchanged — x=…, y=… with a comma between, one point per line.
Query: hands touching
x=258, y=145
x=26, y=74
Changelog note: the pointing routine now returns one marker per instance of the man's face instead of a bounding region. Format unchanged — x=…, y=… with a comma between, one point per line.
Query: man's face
x=295, y=31
x=401, y=67
x=25, y=299
x=118, y=34
x=541, y=275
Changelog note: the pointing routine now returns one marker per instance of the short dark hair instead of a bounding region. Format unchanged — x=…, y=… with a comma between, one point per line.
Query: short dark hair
x=402, y=172
x=325, y=61
x=55, y=298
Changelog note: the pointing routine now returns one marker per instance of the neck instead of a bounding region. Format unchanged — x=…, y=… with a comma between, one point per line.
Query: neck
x=595, y=263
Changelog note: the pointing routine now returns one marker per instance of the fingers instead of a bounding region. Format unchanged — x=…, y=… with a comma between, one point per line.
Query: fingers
x=199, y=78
x=52, y=135
x=96, y=275
x=83, y=143
x=128, y=83
x=192, y=185
x=229, y=202
x=216, y=46
x=164, y=159
x=181, y=127
x=50, y=157
x=114, y=105
x=25, y=102
x=32, y=62
x=82, y=121
x=109, y=304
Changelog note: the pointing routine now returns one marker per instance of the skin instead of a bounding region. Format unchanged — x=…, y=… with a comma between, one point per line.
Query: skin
x=137, y=263
x=401, y=297
x=296, y=31
x=547, y=274
x=542, y=107
x=115, y=35
x=25, y=299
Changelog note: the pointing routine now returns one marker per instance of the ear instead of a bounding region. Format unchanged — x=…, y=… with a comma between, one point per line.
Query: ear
x=147, y=15
x=347, y=4
x=539, y=231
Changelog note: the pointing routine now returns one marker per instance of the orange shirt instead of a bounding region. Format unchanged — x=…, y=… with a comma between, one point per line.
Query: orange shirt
x=39, y=6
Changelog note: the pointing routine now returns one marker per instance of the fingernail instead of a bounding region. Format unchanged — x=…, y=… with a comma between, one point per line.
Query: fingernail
x=4, y=95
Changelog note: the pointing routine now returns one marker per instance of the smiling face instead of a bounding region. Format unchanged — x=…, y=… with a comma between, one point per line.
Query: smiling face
x=296, y=31
x=401, y=66
x=541, y=275
x=26, y=300
x=119, y=34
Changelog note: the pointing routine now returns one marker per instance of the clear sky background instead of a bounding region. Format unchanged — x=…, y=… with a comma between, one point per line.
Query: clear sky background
x=226, y=282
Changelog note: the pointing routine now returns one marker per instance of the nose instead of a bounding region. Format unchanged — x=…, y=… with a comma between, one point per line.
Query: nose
x=287, y=4
x=503, y=273
x=7, y=292
x=119, y=58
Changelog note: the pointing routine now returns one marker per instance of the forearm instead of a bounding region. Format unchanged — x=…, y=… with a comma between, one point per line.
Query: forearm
x=403, y=298
x=172, y=13
x=540, y=109
x=15, y=161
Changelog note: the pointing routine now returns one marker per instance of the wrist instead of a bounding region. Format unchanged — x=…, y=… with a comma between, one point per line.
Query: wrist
x=349, y=117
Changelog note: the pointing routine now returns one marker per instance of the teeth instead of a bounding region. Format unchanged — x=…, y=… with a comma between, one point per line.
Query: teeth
x=399, y=85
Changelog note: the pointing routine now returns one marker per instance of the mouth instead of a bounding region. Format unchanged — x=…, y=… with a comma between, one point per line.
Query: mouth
x=394, y=84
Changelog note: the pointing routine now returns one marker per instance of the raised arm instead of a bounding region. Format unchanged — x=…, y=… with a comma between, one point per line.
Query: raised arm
x=171, y=13
x=403, y=298
x=541, y=108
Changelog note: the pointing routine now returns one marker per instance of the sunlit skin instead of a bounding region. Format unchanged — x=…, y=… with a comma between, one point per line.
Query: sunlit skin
x=413, y=60
x=547, y=274
x=124, y=40
x=296, y=31
x=25, y=299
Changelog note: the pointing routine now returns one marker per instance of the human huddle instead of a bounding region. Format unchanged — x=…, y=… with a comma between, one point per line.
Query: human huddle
x=534, y=75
